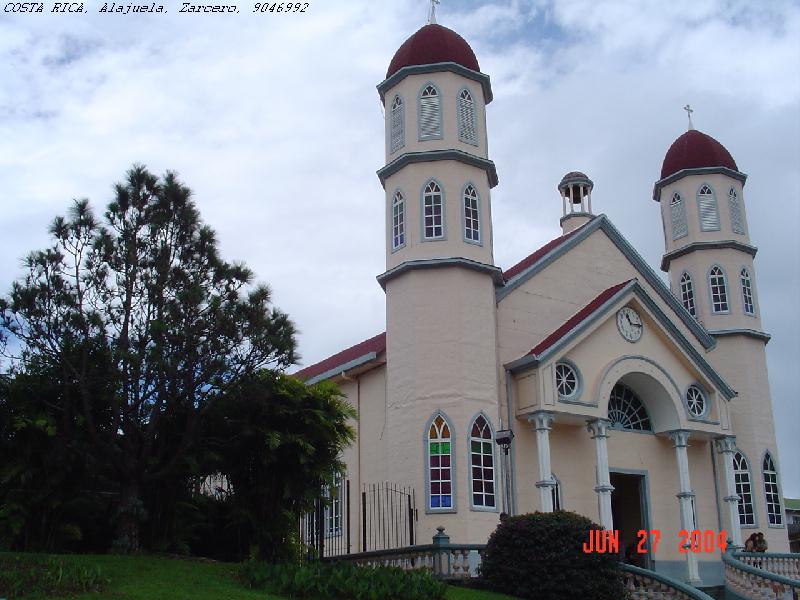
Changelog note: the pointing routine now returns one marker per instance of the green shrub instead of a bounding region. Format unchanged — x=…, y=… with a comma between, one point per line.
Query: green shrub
x=341, y=581
x=47, y=576
x=540, y=556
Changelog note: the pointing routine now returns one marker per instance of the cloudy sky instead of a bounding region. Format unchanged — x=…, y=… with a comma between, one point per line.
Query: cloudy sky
x=274, y=121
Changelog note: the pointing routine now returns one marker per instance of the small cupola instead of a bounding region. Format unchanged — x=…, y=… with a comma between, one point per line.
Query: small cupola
x=576, y=200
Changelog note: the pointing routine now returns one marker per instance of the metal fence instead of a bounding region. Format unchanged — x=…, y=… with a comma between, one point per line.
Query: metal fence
x=326, y=530
x=388, y=516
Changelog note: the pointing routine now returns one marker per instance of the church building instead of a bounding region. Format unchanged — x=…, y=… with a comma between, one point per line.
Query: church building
x=575, y=379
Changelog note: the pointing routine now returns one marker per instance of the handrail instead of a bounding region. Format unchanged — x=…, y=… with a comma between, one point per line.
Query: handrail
x=733, y=559
x=690, y=592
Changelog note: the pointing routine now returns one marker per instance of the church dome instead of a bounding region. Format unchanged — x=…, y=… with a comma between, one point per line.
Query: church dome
x=433, y=44
x=696, y=150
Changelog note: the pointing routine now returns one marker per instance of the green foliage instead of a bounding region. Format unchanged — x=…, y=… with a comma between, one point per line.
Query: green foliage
x=277, y=441
x=342, y=581
x=540, y=556
x=43, y=575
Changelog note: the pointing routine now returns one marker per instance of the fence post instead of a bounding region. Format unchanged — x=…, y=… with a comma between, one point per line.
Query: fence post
x=410, y=522
x=364, y=521
x=440, y=553
x=347, y=497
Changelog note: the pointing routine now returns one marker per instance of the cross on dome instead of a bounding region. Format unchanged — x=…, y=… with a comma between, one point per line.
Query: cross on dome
x=432, y=12
x=689, y=110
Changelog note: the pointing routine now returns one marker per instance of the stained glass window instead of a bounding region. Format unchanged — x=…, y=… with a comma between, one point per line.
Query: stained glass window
x=744, y=489
x=482, y=462
x=774, y=512
x=440, y=455
x=626, y=411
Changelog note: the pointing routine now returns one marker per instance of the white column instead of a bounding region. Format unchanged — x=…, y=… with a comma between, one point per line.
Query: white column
x=542, y=422
x=564, y=202
x=590, y=200
x=583, y=207
x=727, y=447
x=685, y=496
x=599, y=430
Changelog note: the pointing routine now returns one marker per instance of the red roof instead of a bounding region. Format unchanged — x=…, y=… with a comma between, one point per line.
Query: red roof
x=577, y=318
x=375, y=344
x=433, y=44
x=695, y=150
x=531, y=259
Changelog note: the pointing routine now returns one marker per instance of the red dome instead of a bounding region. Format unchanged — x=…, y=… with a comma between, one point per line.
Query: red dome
x=696, y=150
x=433, y=44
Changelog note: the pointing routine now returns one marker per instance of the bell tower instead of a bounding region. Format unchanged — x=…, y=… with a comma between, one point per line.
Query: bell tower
x=442, y=375
x=709, y=258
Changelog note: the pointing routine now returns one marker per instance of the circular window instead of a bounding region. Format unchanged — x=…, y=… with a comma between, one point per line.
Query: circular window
x=566, y=380
x=696, y=401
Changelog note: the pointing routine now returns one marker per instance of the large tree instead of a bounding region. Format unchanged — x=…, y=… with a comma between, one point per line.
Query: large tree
x=177, y=326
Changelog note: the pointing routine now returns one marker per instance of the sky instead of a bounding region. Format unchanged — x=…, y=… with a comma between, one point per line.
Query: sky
x=274, y=122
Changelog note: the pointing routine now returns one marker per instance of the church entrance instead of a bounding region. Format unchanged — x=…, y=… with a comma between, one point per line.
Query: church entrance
x=629, y=511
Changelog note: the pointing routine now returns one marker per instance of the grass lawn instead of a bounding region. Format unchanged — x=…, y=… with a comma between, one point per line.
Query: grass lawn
x=161, y=578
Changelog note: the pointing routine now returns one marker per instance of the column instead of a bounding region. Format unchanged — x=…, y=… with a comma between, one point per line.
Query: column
x=685, y=497
x=727, y=447
x=564, y=203
x=599, y=430
x=583, y=208
x=590, y=200
x=542, y=422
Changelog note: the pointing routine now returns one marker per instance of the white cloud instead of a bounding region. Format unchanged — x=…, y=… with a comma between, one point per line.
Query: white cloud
x=274, y=121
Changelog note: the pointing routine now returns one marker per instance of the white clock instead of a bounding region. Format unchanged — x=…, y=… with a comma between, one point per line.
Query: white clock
x=629, y=324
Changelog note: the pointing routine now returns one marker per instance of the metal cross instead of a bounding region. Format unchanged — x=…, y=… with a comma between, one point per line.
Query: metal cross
x=432, y=13
x=689, y=110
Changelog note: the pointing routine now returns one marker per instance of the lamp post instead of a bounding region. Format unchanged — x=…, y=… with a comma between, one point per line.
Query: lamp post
x=503, y=438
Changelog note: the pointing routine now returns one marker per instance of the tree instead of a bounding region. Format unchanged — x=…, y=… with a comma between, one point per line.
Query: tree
x=177, y=324
x=278, y=443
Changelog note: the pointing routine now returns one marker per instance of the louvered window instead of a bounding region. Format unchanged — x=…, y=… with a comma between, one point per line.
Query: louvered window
x=398, y=135
x=430, y=116
x=433, y=212
x=747, y=292
x=774, y=512
x=398, y=221
x=719, y=290
x=737, y=223
x=472, y=226
x=687, y=294
x=467, y=131
x=744, y=489
x=677, y=207
x=707, y=207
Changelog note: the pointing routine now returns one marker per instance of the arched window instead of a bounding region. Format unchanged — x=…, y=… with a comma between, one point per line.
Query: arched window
x=687, y=294
x=398, y=123
x=707, y=207
x=398, y=220
x=481, y=451
x=440, y=469
x=747, y=292
x=467, y=131
x=626, y=411
x=677, y=207
x=719, y=290
x=774, y=512
x=472, y=223
x=555, y=493
x=744, y=489
x=432, y=211
x=430, y=114
x=735, y=208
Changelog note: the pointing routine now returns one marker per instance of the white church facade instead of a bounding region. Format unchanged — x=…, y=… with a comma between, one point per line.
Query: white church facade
x=634, y=403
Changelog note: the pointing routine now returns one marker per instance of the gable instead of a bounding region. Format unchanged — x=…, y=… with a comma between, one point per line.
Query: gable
x=550, y=286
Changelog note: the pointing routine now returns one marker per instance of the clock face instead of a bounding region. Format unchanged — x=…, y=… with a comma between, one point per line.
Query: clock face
x=629, y=324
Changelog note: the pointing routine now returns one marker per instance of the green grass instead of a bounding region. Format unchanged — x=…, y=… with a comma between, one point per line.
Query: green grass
x=163, y=578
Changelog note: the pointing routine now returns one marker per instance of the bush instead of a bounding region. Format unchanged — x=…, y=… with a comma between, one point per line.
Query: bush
x=47, y=576
x=341, y=581
x=540, y=556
